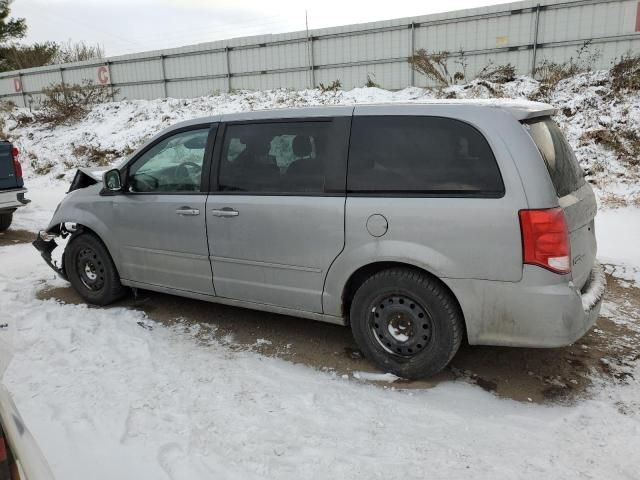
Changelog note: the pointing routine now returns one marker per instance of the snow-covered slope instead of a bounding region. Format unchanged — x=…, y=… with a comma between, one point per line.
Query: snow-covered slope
x=587, y=111
x=110, y=394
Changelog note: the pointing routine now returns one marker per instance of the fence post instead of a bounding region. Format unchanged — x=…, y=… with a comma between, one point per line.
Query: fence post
x=226, y=54
x=412, y=46
x=535, y=40
x=24, y=97
x=62, y=77
x=164, y=76
x=108, y=64
x=312, y=65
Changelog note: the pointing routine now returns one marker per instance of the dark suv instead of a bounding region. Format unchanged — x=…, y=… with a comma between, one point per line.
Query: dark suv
x=11, y=184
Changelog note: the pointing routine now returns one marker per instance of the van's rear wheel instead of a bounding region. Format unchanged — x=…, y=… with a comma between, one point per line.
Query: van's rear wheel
x=5, y=221
x=91, y=270
x=406, y=322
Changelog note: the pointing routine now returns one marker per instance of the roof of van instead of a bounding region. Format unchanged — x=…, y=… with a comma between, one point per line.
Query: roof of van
x=520, y=109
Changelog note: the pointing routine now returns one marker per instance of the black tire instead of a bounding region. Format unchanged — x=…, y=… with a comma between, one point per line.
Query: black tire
x=5, y=221
x=419, y=332
x=91, y=270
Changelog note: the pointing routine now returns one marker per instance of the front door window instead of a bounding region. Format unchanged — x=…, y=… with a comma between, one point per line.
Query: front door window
x=172, y=165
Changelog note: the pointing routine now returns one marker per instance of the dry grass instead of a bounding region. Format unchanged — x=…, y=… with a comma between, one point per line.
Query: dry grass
x=68, y=103
x=331, y=87
x=625, y=74
x=497, y=73
x=551, y=73
x=100, y=157
x=435, y=67
x=624, y=142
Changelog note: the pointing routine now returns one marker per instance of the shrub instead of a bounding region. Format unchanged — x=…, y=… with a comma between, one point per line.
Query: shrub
x=77, y=52
x=625, y=74
x=624, y=142
x=435, y=66
x=39, y=167
x=21, y=118
x=371, y=83
x=96, y=156
x=332, y=87
x=6, y=107
x=65, y=103
x=432, y=65
x=550, y=73
x=497, y=73
x=17, y=57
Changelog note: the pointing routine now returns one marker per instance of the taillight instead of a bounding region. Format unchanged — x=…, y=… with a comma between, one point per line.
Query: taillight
x=545, y=239
x=16, y=163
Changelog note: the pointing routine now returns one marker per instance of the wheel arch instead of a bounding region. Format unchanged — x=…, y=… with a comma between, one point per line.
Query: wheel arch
x=82, y=228
x=359, y=276
x=83, y=221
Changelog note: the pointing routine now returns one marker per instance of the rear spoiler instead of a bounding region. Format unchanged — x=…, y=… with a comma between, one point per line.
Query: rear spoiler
x=529, y=110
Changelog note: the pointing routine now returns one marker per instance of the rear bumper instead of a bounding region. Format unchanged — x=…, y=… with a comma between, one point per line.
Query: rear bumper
x=12, y=199
x=542, y=310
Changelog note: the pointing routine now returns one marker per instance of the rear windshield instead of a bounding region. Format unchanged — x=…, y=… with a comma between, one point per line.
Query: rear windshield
x=564, y=169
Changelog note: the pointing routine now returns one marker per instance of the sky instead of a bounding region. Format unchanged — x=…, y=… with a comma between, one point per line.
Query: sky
x=129, y=26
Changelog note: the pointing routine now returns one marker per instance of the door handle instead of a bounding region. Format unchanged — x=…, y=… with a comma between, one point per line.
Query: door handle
x=188, y=211
x=225, y=212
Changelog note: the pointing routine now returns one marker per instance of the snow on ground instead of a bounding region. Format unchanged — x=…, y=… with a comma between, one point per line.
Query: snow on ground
x=45, y=194
x=111, y=394
x=618, y=234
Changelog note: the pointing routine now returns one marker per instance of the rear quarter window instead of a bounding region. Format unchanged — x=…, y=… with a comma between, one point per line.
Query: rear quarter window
x=564, y=169
x=421, y=155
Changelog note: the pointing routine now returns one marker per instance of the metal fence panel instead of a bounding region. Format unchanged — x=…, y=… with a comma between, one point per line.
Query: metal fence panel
x=195, y=65
x=146, y=91
x=76, y=75
x=297, y=80
x=521, y=33
x=136, y=72
x=285, y=56
x=195, y=88
x=35, y=83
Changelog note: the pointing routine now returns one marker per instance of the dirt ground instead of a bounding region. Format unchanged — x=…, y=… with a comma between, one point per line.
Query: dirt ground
x=535, y=375
x=11, y=237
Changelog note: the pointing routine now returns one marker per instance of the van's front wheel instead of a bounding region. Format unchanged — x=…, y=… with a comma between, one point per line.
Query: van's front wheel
x=406, y=322
x=91, y=270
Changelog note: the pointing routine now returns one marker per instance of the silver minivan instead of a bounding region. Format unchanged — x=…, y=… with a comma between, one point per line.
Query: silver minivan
x=417, y=225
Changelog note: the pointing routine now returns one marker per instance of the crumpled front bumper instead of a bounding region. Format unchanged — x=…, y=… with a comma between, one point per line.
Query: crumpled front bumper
x=46, y=246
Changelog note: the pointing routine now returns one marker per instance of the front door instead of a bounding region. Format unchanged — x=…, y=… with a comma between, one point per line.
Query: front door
x=276, y=221
x=160, y=221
